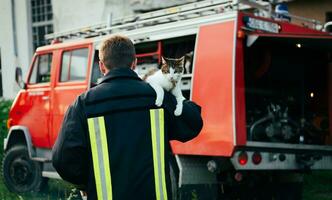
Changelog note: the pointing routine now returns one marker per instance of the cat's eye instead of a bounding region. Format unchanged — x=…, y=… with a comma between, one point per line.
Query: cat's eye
x=178, y=70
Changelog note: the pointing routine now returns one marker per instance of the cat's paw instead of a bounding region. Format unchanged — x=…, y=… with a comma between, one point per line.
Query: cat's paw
x=159, y=94
x=178, y=111
x=160, y=97
x=159, y=102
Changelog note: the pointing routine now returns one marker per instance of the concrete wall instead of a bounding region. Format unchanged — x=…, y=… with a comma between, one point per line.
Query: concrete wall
x=79, y=13
x=76, y=13
x=24, y=46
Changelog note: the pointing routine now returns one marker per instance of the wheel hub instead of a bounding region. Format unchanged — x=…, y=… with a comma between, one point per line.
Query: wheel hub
x=20, y=170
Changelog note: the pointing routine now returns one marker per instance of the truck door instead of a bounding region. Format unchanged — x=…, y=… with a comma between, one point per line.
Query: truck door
x=38, y=100
x=213, y=90
x=71, y=81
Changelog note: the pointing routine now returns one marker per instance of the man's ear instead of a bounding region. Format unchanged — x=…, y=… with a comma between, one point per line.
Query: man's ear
x=134, y=64
x=102, y=68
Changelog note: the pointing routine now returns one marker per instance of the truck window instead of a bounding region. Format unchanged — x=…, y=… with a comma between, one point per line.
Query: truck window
x=74, y=65
x=41, y=71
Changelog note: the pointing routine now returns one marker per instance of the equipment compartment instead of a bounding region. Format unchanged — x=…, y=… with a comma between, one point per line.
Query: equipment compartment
x=288, y=90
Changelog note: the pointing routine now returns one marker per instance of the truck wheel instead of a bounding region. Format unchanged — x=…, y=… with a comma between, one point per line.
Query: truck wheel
x=20, y=174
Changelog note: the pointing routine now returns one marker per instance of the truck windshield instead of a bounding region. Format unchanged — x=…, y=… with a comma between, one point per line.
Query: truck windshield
x=288, y=84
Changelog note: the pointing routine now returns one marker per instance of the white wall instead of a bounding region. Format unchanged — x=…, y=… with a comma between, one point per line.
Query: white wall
x=155, y=4
x=76, y=13
x=7, y=47
x=79, y=13
x=24, y=46
x=24, y=35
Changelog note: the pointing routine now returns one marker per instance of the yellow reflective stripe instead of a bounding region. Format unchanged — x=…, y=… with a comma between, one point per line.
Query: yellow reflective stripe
x=162, y=151
x=106, y=157
x=154, y=151
x=100, y=157
x=95, y=158
x=158, y=148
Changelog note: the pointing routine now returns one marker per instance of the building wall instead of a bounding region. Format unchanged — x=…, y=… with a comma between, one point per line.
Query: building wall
x=79, y=13
x=24, y=46
x=76, y=13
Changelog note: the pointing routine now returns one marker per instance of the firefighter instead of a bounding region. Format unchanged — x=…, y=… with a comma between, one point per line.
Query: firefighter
x=114, y=141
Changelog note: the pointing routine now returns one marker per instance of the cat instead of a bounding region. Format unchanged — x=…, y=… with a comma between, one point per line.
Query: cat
x=168, y=78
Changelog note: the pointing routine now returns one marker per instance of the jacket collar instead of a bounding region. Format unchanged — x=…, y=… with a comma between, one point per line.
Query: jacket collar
x=119, y=73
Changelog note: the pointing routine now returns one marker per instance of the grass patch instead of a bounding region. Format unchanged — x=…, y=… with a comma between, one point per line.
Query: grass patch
x=57, y=190
x=4, y=109
x=318, y=185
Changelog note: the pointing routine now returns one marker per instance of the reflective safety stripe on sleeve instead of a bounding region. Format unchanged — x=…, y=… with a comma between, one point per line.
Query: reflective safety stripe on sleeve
x=158, y=149
x=100, y=158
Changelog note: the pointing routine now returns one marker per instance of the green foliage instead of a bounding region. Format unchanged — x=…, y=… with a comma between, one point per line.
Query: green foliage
x=4, y=109
x=57, y=190
x=318, y=185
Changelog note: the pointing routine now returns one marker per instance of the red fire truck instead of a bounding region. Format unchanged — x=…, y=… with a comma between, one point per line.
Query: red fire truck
x=263, y=82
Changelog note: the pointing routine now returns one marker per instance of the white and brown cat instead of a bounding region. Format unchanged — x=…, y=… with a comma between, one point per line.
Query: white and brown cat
x=168, y=78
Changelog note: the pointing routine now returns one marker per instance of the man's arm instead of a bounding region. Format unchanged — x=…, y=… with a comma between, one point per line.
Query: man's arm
x=186, y=126
x=69, y=154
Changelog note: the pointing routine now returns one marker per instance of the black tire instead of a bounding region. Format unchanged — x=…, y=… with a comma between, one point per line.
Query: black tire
x=20, y=174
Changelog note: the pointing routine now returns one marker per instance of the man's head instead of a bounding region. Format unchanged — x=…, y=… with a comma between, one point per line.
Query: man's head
x=116, y=52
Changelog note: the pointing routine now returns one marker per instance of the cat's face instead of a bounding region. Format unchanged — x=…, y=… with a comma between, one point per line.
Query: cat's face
x=172, y=68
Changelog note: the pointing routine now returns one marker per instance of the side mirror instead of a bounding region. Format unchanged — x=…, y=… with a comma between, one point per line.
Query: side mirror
x=18, y=78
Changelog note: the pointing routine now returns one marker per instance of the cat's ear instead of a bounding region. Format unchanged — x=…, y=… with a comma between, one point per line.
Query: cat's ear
x=163, y=61
x=181, y=61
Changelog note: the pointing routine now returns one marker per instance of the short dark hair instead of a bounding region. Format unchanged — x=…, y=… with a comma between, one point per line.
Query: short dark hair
x=117, y=51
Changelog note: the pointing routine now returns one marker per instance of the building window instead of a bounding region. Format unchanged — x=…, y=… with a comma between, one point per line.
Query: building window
x=42, y=21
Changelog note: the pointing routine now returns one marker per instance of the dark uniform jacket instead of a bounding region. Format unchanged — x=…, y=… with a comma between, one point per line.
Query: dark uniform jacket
x=114, y=141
